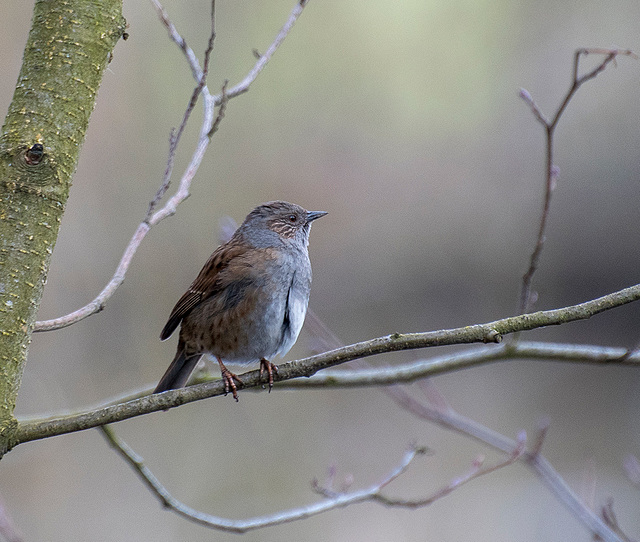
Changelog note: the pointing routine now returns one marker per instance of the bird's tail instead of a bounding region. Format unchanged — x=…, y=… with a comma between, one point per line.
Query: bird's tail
x=178, y=372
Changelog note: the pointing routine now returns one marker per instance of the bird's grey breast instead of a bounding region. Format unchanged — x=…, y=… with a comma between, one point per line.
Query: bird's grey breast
x=297, y=301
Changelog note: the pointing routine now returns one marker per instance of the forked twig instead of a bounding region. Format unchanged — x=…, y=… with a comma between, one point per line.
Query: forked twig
x=332, y=499
x=243, y=526
x=551, y=171
x=477, y=469
x=201, y=78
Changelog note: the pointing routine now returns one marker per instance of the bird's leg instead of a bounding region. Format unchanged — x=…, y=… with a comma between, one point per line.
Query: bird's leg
x=266, y=365
x=229, y=378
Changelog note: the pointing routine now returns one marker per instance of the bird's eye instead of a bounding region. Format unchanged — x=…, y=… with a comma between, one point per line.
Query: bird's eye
x=292, y=218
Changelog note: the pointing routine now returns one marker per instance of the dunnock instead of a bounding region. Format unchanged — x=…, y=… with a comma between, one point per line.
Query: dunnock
x=249, y=301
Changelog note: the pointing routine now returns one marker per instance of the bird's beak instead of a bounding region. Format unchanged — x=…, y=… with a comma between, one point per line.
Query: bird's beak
x=312, y=215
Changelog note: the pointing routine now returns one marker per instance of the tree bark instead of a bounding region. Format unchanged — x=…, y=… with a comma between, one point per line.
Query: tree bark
x=70, y=44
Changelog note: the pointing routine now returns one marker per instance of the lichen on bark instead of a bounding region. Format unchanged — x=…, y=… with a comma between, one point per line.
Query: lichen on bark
x=69, y=46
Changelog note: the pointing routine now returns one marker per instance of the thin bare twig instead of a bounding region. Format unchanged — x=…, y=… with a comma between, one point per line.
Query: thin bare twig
x=543, y=427
x=330, y=493
x=170, y=207
x=432, y=394
x=175, y=136
x=418, y=370
x=440, y=412
x=245, y=525
x=551, y=171
x=609, y=516
x=263, y=59
x=175, y=36
x=152, y=218
x=333, y=499
x=222, y=108
x=456, y=422
x=98, y=303
x=477, y=469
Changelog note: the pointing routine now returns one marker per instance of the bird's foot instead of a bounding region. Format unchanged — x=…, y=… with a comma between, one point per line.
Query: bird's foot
x=270, y=368
x=228, y=377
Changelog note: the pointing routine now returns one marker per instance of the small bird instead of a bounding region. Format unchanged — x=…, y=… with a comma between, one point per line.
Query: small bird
x=249, y=301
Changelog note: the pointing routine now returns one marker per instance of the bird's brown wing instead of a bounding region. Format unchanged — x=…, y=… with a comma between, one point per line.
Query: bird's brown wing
x=204, y=286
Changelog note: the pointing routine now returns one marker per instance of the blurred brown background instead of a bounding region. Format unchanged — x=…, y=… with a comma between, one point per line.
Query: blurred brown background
x=402, y=119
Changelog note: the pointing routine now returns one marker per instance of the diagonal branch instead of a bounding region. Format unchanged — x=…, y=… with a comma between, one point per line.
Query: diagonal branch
x=411, y=372
x=492, y=331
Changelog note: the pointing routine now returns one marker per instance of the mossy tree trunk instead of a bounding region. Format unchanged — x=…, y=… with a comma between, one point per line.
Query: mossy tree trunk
x=70, y=44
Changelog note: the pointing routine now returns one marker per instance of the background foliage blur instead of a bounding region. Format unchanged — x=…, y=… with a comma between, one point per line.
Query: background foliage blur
x=402, y=119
